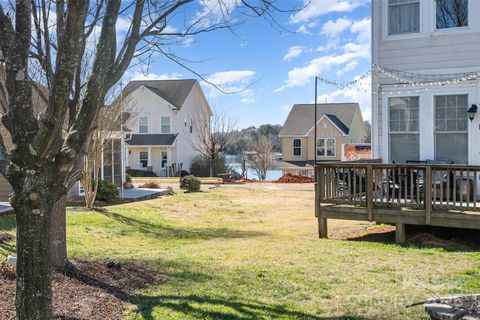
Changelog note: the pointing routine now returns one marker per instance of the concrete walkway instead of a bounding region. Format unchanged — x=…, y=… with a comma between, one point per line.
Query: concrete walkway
x=143, y=193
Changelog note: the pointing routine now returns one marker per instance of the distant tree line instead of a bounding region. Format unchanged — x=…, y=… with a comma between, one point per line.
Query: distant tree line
x=242, y=140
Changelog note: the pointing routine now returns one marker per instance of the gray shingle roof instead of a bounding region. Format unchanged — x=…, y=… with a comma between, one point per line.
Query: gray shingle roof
x=338, y=123
x=151, y=139
x=173, y=91
x=300, y=118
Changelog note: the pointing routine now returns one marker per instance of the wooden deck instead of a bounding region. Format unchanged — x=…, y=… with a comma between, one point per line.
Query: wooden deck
x=399, y=194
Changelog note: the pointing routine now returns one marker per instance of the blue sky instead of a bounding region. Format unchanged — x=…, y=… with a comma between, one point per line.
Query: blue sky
x=329, y=38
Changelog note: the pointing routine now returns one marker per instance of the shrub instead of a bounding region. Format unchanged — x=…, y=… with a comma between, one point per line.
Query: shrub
x=190, y=183
x=141, y=173
x=107, y=192
x=7, y=271
x=150, y=185
x=128, y=178
x=201, y=166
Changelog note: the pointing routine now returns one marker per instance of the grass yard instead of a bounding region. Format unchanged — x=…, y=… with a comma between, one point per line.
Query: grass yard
x=170, y=180
x=252, y=252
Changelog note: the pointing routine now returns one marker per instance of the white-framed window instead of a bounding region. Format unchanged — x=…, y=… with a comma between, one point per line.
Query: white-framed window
x=165, y=124
x=164, y=156
x=404, y=134
x=326, y=147
x=143, y=124
x=451, y=128
x=403, y=16
x=143, y=155
x=297, y=147
x=451, y=14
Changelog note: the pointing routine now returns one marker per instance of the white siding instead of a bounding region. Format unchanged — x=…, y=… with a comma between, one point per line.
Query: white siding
x=431, y=52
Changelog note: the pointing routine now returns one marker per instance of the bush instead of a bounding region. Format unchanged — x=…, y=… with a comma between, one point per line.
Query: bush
x=150, y=185
x=201, y=166
x=128, y=178
x=107, y=192
x=141, y=173
x=190, y=183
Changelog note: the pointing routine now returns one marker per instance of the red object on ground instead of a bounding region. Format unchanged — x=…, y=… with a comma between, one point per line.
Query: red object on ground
x=290, y=178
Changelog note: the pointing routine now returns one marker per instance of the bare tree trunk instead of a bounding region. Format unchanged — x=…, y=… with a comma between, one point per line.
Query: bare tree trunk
x=58, y=235
x=33, y=298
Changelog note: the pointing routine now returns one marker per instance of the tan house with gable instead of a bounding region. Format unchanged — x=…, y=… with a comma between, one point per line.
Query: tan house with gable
x=337, y=124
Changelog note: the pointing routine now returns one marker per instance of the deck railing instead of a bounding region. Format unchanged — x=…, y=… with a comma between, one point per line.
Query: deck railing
x=417, y=186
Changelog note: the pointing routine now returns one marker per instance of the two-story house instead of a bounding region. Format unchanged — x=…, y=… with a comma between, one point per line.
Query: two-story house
x=427, y=57
x=164, y=118
x=337, y=124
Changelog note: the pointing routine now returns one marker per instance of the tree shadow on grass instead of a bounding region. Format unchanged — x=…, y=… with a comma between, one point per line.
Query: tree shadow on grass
x=168, y=232
x=205, y=307
x=198, y=306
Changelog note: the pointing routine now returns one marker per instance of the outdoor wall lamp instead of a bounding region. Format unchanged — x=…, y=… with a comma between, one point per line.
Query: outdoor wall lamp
x=472, y=111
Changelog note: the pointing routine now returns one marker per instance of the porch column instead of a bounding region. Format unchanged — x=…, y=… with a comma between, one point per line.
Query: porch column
x=126, y=154
x=149, y=163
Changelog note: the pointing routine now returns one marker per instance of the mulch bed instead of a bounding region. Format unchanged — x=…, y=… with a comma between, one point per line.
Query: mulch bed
x=5, y=237
x=291, y=178
x=90, y=291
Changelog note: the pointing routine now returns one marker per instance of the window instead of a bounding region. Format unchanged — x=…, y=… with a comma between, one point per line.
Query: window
x=451, y=13
x=451, y=125
x=404, y=128
x=144, y=159
x=191, y=125
x=165, y=124
x=143, y=125
x=403, y=16
x=164, y=159
x=297, y=147
x=326, y=147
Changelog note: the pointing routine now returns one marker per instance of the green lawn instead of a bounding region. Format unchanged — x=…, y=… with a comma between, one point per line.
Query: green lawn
x=253, y=253
x=209, y=180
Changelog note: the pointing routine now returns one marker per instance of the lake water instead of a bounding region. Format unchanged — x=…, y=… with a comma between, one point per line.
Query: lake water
x=234, y=162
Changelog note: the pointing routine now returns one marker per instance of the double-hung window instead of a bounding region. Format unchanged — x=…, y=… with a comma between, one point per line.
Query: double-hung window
x=404, y=129
x=326, y=147
x=404, y=16
x=451, y=128
x=165, y=124
x=164, y=156
x=143, y=124
x=451, y=13
x=143, y=158
x=297, y=147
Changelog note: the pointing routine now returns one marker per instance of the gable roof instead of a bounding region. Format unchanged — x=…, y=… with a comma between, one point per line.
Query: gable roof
x=174, y=92
x=300, y=119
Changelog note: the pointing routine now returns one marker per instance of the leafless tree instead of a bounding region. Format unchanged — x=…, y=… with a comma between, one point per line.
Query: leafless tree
x=109, y=124
x=212, y=134
x=452, y=13
x=260, y=156
x=45, y=42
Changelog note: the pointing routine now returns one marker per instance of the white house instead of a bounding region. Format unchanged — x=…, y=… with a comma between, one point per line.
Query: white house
x=164, y=117
x=427, y=54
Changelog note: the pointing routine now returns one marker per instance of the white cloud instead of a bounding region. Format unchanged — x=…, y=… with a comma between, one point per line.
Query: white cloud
x=138, y=75
x=231, y=81
x=349, y=67
x=247, y=100
x=286, y=108
x=317, y=8
x=293, y=52
x=345, y=60
x=334, y=28
x=303, y=29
